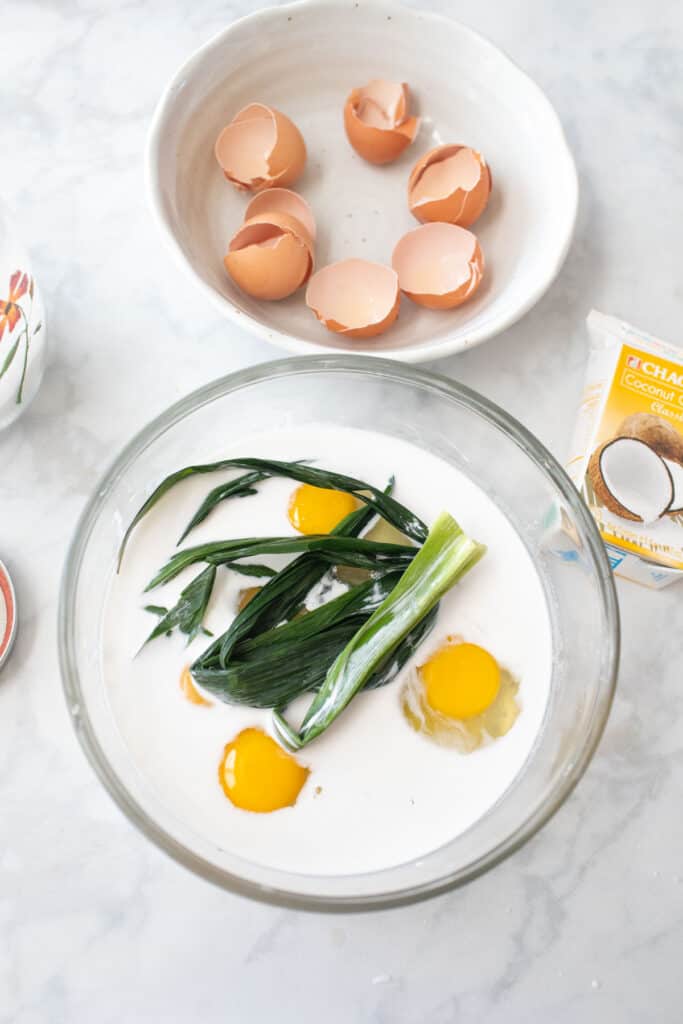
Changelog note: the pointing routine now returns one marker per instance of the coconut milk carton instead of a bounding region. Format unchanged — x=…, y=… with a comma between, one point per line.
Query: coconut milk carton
x=627, y=451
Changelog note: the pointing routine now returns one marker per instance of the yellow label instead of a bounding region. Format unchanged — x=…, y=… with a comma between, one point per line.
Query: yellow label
x=643, y=383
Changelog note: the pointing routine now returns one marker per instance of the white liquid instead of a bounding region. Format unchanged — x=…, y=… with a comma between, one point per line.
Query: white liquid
x=388, y=794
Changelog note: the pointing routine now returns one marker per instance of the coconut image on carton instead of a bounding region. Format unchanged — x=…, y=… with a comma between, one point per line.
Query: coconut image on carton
x=638, y=474
x=626, y=457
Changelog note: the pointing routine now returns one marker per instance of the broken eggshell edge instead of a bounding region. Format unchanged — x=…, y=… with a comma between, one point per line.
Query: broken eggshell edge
x=285, y=160
x=460, y=206
x=327, y=318
x=283, y=200
x=374, y=144
x=439, y=299
x=270, y=272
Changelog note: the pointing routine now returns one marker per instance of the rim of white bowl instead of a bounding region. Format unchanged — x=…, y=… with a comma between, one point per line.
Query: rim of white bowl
x=77, y=706
x=417, y=353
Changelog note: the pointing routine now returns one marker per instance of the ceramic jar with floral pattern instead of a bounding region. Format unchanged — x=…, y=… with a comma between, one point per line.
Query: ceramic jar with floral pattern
x=23, y=337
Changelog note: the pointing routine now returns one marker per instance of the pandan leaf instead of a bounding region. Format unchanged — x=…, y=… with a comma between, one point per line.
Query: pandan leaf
x=364, y=554
x=383, y=504
x=252, y=569
x=240, y=487
x=444, y=557
x=188, y=612
x=273, y=668
x=156, y=609
x=282, y=596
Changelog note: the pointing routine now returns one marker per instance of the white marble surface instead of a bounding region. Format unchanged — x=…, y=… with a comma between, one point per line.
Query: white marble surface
x=586, y=922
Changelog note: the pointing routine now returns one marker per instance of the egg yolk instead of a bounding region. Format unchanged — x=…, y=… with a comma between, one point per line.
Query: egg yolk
x=461, y=680
x=318, y=509
x=190, y=691
x=245, y=596
x=258, y=775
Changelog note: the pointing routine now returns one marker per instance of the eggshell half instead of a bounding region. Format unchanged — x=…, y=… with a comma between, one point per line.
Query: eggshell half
x=450, y=183
x=376, y=123
x=439, y=265
x=270, y=257
x=260, y=148
x=354, y=297
x=282, y=200
x=261, y=225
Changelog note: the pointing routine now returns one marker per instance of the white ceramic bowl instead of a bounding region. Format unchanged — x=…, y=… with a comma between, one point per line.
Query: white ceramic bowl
x=304, y=58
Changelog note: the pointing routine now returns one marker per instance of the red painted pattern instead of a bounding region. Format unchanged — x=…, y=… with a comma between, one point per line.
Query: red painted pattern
x=6, y=590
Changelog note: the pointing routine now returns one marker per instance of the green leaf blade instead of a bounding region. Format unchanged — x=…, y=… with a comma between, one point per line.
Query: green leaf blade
x=282, y=595
x=253, y=569
x=336, y=550
x=380, y=501
x=240, y=487
x=444, y=557
x=188, y=613
x=9, y=359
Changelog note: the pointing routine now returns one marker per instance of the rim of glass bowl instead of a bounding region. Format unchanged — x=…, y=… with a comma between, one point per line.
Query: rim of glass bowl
x=388, y=370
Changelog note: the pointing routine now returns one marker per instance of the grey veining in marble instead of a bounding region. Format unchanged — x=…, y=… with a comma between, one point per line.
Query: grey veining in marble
x=586, y=922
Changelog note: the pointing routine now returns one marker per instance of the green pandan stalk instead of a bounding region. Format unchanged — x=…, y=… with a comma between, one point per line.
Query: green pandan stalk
x=446, y=555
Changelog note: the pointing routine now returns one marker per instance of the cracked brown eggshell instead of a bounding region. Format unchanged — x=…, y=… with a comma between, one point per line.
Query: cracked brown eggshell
x=376, y=123
x=271, y=256
x=260, y=148
x=439, y=265
x=283, y=200
x=451, y=184
x=354, y=297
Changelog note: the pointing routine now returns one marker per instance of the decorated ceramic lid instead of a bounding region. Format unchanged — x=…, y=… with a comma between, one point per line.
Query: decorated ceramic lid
x=8, y=614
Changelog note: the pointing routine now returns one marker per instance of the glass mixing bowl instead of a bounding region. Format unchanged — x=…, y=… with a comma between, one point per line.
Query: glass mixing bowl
x=466, y=430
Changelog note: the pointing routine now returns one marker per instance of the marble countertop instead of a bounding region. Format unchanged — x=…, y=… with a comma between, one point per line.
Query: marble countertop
x=586, y=921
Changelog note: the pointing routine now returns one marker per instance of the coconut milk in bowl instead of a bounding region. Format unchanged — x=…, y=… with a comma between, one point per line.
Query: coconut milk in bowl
x=409, y=705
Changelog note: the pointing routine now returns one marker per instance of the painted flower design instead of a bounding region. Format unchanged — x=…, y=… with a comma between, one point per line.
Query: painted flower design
x=12, y=312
